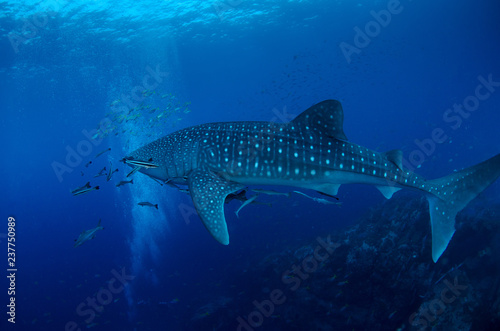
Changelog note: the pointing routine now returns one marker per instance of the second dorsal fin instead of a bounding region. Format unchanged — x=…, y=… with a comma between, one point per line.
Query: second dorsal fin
x=395, y=156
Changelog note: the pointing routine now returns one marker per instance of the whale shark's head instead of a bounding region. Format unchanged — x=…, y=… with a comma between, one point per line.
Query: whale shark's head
x=151, y=159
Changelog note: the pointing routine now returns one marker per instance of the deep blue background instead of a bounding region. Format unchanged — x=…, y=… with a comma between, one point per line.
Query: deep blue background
x=255, y=57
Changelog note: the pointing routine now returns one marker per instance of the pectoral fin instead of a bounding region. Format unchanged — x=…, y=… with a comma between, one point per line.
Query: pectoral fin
x=208, y=192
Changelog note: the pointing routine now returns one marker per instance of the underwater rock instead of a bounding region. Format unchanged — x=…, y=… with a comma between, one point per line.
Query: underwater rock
x=381, y=277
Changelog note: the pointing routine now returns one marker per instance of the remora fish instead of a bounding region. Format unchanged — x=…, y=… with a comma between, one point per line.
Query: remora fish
x=310, y=152
x=87, y=190
x=111, y=172
x=81, y=188
x=320, y=200
x=100, y=153
x=271, y=192
x=101, y=173
x=123, y=182
x=149, y=204
x=138, y=163
x=246, y=203
x=87, y=235
x=133, y=171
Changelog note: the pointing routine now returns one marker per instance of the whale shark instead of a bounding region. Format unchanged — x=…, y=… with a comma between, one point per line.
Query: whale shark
x=311, y=152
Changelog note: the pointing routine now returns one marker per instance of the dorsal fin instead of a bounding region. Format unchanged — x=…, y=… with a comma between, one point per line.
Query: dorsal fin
x=396, y=157
x=326, y=116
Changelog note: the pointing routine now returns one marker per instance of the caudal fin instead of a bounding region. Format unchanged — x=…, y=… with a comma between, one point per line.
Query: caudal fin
x=451, y=194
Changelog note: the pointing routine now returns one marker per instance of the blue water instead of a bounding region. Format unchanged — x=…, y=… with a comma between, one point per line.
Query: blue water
x=67, y=66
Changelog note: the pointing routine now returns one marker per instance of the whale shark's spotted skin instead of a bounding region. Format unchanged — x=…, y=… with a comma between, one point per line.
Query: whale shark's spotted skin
x=312, y=152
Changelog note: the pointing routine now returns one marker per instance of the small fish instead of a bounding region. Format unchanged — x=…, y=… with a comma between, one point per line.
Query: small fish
x=87, y=235
x=158, y=181
x=87, y=190
x=320, y=200
x=111, y=172
x=149, y=204
x=139, y=163
x=100, y=153
x=174, y=300
x=114, y=102
x=133, y=171
x=81, y=188
x=123, y=182
x=271, y=192
x=101, y=173
x=392, y=314
x=249, y=201
x=452, y=269
x=88, y=163
x=82, y=173
x=328, y=195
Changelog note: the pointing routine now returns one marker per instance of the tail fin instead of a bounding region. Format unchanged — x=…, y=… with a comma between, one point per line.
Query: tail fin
x=451, y=194
x=156, y=206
